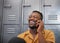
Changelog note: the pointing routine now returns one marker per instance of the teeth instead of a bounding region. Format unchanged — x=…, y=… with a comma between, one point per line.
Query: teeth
x=32, y=22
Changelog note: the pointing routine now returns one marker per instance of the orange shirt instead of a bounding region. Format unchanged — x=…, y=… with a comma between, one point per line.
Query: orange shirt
x=27, y=36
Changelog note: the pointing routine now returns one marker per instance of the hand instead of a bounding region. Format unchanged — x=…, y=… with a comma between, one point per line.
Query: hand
x=41, y=26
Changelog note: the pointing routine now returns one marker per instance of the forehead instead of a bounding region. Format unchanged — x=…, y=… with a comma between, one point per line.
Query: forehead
x=35, y=14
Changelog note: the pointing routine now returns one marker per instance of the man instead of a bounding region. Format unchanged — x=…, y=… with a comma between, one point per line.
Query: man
x=16, y=40
x=37, y=33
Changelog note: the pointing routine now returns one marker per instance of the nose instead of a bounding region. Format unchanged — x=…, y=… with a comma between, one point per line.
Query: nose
x=31, y=18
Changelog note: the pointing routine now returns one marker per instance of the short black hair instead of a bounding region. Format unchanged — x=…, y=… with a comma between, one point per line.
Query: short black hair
x=38, y=13
x=16, y=40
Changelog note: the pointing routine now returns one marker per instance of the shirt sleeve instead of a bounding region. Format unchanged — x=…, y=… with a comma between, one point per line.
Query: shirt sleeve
x=50, y=37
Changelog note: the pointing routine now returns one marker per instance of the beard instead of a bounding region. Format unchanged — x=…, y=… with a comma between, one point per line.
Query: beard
x=33, y=27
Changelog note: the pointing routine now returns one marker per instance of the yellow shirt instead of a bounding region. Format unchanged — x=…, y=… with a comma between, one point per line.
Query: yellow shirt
x=27, y=36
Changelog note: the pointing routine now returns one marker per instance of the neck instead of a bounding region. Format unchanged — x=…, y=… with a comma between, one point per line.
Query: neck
x=33, y=31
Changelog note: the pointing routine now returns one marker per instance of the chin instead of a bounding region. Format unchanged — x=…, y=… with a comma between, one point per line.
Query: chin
x=32, y=27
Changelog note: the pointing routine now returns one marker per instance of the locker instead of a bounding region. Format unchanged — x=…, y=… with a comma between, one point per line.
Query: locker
x=1, y=17
x=12, y=19
x=52, y=15
x=12, y=11
x=28, y=7
x=10, y=31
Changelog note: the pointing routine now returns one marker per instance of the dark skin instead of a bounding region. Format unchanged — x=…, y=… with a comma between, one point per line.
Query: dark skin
x=36, y=17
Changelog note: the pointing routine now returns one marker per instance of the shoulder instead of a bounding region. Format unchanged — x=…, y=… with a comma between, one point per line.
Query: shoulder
x=22, y=35
x=49, y=33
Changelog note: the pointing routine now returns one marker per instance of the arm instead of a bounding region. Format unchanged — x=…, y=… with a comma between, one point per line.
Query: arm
x=41, y=38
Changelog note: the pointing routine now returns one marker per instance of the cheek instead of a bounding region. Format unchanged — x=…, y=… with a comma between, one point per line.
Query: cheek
x=36, y=20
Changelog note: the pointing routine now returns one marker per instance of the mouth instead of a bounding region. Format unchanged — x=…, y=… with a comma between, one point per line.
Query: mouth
x=32, y=23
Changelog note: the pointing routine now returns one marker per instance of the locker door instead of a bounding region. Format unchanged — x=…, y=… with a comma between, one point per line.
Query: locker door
x=1, y=17
x=52, y=11
x=27, y=7
x=11, y=19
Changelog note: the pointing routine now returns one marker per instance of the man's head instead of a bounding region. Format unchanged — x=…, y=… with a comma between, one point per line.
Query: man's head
x=16, y=40
x=33, y=18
